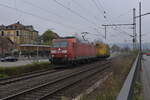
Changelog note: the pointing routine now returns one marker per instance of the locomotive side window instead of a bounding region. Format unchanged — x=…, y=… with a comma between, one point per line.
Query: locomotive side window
x=60, y=44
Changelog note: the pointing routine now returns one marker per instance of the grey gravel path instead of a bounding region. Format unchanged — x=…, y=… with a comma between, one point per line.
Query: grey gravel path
x=21, y=62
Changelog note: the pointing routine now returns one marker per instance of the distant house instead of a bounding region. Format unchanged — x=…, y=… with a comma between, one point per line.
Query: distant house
x=6, y=45
x=19, y=33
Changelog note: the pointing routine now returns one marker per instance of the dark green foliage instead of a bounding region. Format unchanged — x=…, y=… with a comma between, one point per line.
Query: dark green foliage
x=48, y=36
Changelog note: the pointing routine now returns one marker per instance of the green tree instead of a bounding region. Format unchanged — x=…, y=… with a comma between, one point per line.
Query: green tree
x=48, y=36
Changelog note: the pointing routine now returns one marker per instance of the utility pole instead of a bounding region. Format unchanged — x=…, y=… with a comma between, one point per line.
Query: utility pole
x=134, y=29
x=140, y=31
x=140, y=28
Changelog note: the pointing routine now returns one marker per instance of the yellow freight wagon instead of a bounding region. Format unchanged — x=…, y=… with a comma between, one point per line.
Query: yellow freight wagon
x=102, y=50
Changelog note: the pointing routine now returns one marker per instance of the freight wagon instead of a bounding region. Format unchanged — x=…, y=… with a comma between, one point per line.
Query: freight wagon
x=102, y=50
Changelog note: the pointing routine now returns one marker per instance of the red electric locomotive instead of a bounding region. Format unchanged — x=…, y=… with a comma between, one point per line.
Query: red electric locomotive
x=71, y=50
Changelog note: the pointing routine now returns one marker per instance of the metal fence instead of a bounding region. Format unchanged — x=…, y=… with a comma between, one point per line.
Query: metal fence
x=127, y=90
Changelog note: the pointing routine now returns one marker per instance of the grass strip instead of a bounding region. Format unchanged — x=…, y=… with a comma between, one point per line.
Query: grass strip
x=16, y=70
x=111, y=87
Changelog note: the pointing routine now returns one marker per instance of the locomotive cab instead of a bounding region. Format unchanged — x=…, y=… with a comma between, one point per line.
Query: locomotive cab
x=61, y=50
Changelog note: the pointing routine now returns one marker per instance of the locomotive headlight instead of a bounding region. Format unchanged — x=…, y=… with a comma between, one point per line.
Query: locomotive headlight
x=53, y=51
x=64, y=51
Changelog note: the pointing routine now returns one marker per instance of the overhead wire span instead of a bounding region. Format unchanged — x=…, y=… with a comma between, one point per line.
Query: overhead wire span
x=43, y=9
x=48, y=11
x=76, y=13
x=116, y=28
x=34, y=15
x=94, y=16
x=74, y=1
x=106, y=18
x=101, y=12
x=98, y=33
x=101, y=4
x=122, y=32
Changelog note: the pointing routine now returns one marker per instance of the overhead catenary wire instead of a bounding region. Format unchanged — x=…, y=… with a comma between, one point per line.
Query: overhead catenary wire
x=81, y=7
x=122, y=31
x=76, y=13
x=67, y=8
x=37, y=16
x=85, y=9
x=95, y=29
x=56, y=22
x=99, y=34
x=43, y=9
x=116, y=28
x=103, y=12
x=100, y=4
x=46, y=10
x=106, y=18
x=100, y=11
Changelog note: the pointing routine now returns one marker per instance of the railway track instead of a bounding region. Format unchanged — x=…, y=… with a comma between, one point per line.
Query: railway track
x=57, y=82
x=11, y=79
x=25, y=76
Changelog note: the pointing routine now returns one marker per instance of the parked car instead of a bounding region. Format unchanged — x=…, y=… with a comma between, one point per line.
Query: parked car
x=9, y=59
x=2, y=59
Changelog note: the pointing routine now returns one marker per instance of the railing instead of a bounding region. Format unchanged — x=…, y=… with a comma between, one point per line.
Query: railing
x=127, y=90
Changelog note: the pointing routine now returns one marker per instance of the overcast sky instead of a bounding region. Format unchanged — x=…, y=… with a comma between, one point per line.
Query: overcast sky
x=79, y=16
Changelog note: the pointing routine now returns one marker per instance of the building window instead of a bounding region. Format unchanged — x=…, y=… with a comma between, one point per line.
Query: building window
x=8, y=34
x=2, y=33
x=17, y=33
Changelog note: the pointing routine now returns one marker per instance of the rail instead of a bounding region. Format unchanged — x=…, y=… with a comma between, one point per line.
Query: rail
x=46, y=89
x=127, y=90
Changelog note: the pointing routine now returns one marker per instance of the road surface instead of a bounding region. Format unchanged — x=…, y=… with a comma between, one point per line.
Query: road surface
x=25, y=61
x=146, y=76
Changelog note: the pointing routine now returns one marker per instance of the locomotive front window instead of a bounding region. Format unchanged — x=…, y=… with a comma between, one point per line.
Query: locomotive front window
x=60, y=44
